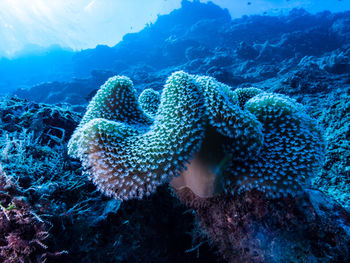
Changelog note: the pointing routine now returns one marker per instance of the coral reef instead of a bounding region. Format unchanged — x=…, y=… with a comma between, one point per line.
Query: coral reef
x=122, y=144
x=51, y=124
x=305, y=56
x=335, y=177
x=266, y=141
x=33, y=154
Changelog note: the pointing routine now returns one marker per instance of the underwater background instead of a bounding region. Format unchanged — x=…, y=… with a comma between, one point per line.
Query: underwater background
x=50, y=210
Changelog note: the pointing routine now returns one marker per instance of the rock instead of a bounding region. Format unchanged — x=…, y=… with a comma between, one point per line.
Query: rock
x=246, y=51
x=336, y=63
x=249, y=227
x=49, y=123
x=224, y=76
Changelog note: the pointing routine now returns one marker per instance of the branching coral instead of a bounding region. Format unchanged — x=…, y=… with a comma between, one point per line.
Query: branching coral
x=203, y=136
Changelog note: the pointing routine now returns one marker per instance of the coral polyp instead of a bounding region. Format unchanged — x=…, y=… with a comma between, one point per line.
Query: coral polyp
x=127, y=159
x=149, y=101
x=243, y=139
x=292, y=151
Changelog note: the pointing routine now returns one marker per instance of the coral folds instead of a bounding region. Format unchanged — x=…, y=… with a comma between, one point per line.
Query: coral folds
x=242, y=139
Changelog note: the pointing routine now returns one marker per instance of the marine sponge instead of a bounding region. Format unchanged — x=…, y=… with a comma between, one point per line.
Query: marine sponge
x=241, y=139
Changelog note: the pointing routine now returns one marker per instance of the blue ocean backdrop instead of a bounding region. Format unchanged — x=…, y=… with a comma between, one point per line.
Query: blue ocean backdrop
x=174, y=131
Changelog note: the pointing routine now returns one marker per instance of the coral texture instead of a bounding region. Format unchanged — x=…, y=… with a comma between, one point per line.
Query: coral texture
x=149, y=101
x=126, y=158
x=249, y=138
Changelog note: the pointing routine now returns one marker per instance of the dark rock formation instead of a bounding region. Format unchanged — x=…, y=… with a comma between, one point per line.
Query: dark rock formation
x=252, y=228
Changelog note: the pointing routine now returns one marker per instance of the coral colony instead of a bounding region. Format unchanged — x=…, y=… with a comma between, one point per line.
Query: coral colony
x=200, y=135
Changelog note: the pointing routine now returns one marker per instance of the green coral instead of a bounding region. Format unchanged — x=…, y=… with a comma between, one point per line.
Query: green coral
x=228, y=118
x=128, y=161
x=292, y=152
x=241, y=96
x=109, y=103
x=149, y=101
x=128, y=146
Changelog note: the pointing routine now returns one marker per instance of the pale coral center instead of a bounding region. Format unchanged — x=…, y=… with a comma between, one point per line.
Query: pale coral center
x=199, y=178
